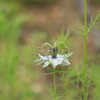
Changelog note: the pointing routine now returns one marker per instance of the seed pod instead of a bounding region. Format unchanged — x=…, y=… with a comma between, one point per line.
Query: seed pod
x=53, y=52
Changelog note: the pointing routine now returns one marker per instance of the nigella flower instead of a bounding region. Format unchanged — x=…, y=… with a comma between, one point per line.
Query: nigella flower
x=54, y=58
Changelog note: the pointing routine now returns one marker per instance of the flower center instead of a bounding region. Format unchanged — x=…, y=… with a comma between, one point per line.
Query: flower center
x=53, y=52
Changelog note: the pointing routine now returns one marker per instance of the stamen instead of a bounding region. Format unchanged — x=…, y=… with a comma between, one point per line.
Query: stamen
x=55, y=44
x=44, y=52
x=46, y=44
x=62, y=43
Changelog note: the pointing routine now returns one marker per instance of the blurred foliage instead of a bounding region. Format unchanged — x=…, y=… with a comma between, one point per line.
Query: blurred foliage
x=31, y=3
x=9, y=23
x=95, y=2
x=12, y=87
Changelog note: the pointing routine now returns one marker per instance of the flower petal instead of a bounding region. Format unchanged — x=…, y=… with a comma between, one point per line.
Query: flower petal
x=37, y=60
x=60, y=60
x=59, y=56
x=40, y=63
x=46, y=64
x=54, y=63
x=68, y=55
x=43, y=57
x=65, y=62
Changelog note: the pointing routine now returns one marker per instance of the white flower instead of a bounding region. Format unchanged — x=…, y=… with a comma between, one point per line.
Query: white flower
x=58, y=60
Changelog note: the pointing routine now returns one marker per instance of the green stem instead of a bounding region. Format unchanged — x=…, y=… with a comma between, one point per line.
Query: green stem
x=85, y=55
x=84, y=94
x=54, y=79
x=85, y=16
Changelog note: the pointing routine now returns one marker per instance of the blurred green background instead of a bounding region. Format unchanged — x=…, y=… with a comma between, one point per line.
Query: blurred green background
x=24, y=26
